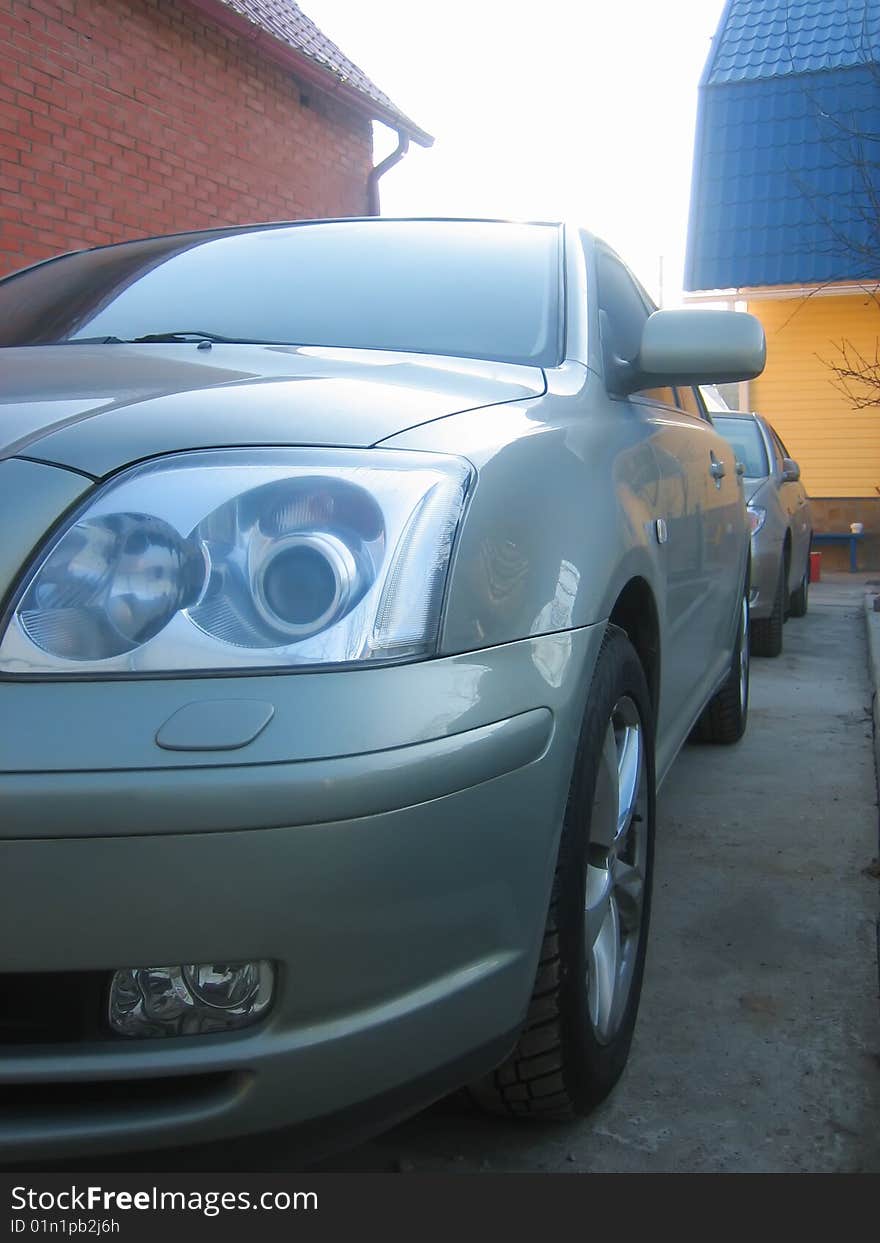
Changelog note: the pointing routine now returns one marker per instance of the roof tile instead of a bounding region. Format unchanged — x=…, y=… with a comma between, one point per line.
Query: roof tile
x=285, y=21
x=784, y=146
x=771, y=38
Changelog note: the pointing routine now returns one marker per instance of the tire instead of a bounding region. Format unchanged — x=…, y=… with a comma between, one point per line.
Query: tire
x=800, y=599
x=726, y=715
x=767, y=632
x=581, y=1018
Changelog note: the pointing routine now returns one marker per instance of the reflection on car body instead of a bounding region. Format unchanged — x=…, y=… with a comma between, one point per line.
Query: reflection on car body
x=352, y=615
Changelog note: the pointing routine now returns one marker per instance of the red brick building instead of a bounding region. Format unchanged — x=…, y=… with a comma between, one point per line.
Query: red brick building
x=120, y=118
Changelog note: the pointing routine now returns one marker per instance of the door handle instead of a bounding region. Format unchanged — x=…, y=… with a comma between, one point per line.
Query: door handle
x=716, y=468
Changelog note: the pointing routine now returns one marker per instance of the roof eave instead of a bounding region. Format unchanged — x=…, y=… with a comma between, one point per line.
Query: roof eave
x=309, y=70
x=770, y=293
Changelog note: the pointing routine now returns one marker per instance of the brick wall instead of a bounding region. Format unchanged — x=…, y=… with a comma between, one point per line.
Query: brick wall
x=121, y=118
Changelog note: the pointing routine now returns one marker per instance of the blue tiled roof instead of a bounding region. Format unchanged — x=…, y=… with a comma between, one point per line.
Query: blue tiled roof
x=768, y=38
x=787, y=148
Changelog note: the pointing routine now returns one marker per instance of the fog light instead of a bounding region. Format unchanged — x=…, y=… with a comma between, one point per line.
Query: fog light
x=191, y=999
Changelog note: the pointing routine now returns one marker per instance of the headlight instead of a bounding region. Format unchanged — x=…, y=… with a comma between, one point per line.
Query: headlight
x=756, y=518
x=243, y=559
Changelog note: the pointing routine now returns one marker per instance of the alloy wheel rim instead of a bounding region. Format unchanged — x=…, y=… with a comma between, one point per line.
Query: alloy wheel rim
x=616, y=870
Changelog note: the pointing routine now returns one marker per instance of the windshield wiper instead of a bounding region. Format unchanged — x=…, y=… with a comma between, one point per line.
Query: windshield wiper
x=184, y=338
x=194, y=335
x=93, y=341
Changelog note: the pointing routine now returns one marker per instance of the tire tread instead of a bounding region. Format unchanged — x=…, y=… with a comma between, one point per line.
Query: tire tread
x=766, y=632
x=534, y=1082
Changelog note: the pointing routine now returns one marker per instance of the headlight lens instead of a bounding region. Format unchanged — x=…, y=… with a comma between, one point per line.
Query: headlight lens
x=756, y=518
x=264, y=558
x=109, y=586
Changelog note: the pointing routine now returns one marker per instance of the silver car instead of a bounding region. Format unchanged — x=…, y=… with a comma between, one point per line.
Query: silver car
x=361, y=580
x=782, y=527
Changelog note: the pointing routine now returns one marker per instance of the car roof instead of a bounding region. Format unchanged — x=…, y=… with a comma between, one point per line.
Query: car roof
x=260, y=225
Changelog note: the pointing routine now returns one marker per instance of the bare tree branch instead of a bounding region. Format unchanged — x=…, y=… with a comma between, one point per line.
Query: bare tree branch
x=856, y=375
x=853, y=238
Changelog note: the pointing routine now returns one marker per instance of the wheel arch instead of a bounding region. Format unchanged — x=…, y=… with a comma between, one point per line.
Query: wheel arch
x=635, y=612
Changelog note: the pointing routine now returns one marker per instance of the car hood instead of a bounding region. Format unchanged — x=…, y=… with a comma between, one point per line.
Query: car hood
x=95, y=408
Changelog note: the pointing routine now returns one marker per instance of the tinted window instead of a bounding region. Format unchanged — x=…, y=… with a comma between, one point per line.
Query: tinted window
x=661, y=396
x=748, y=444
x=777, y=441
x=689, y=402
x=714, y=402
x=624, y=308
x=776, y=447
x=478, y=290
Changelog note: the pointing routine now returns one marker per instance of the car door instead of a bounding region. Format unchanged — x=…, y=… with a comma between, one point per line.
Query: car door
x=723, y=529
x=680, y=445
x=704, y=554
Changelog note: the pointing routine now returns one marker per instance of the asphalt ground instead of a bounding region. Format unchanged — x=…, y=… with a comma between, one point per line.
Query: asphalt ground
x=758, y=1043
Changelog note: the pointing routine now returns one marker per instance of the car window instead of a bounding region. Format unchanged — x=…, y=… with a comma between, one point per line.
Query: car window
x=472, y=289
x=748, y=444
x=660, y=396
x=776, y=446
x=625, y=311
x=712, y=399
x=778, y=443
x=690, y=402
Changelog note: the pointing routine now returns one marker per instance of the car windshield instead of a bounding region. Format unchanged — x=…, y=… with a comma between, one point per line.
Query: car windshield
x=473, y=289
x=748, y=444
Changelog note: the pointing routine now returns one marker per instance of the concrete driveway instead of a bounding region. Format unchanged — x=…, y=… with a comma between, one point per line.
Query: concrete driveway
x=758, y=1046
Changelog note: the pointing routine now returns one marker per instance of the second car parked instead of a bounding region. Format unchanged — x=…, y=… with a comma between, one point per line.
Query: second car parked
x=782, y=527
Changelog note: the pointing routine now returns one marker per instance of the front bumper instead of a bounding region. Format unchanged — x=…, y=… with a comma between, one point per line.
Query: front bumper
x=766, y=559
x=388, y=842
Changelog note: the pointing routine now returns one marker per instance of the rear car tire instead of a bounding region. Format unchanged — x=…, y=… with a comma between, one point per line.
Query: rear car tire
x=582, y=1015
x=726, y=715
x=800, y=599
x=767, y=632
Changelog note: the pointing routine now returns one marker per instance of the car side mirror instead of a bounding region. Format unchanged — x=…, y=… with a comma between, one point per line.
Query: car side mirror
x=695, y=347
x=791, y=472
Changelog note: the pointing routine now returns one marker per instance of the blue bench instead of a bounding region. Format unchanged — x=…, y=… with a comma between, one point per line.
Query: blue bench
x=849, y=537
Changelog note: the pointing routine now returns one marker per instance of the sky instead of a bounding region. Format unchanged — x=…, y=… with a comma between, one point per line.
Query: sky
x=581, y=110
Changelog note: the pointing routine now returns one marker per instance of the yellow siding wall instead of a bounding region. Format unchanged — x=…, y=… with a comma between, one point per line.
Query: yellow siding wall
x=838, y=448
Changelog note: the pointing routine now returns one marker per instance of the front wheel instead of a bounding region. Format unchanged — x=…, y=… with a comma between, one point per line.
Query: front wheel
x=583, y=1010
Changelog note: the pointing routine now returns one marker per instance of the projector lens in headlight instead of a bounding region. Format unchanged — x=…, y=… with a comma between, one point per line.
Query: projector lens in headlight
x=304, y=583
x=189, y=999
